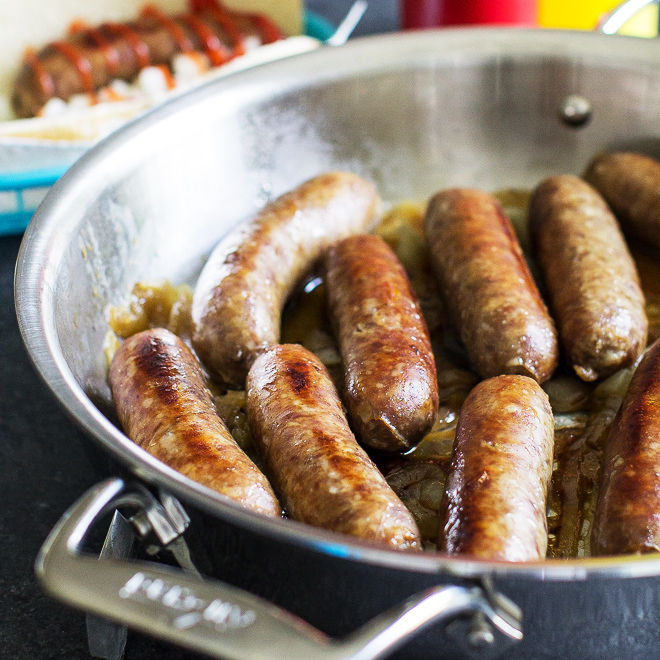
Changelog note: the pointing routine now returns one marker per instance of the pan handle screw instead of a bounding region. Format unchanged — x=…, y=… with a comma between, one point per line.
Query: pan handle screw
x=480, y=634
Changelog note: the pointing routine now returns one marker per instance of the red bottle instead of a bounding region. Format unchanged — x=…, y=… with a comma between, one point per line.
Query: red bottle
x=430, y=13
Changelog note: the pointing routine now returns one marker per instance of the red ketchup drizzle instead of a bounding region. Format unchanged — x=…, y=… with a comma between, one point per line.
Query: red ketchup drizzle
x=224, y=20
x=103, y=43
x=170, y=81
x=268, y=30
x=140, y=49
x=82, y=64
x=44, y=79
x=175, y=31
x=213, y=48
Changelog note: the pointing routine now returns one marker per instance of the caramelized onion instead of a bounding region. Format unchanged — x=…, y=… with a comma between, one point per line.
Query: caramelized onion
x=583, y=412
x=420, y=486
x=567, y=393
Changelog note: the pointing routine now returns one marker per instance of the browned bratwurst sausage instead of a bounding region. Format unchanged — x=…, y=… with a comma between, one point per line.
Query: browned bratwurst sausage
x=323, y=476
x=90, y=58
x=591, y=278
x=628, y=510
x=495, y=495
x=238, y=300
x=390, y=384
x=489, y=291
x=630, y=184
x=165, y=407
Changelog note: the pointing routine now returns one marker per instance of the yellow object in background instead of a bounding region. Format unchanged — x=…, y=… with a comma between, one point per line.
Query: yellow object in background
x=585, y=14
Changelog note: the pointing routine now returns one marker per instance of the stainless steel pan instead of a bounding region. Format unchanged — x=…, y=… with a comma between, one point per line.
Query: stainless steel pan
x=489, y=108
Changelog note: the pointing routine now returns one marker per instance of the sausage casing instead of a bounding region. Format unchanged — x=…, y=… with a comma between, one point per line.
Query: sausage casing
x=323, y=476
x=488, y=289
x=238, y=300
x=628, y=510
x=165, y=407
x=496, y=489
x=391, y=387
x=630, y=184
x=591, y=278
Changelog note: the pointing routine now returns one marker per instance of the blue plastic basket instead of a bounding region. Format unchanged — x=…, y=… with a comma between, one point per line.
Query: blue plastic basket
x=22, y=191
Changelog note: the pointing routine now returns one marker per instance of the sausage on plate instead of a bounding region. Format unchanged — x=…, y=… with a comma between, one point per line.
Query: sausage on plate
x=628, y=511
x=591, y=278
x=489, y=291
x=630, y=184
x=323, y=476
x=238, y=300
x=390, y=384
x=496, y=489
x=90, y=58
x=165, y=407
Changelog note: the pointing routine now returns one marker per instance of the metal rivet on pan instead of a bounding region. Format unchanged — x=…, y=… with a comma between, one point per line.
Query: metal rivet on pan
x=480, y=634
x=575, y=110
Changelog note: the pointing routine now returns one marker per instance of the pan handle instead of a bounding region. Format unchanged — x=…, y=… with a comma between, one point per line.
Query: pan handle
x=211, y=617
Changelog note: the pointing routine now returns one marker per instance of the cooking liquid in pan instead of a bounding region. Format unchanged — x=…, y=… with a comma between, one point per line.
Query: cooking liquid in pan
x=583, y=412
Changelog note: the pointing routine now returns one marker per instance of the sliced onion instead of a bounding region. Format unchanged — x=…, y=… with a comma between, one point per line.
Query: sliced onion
x=567, y=394
x=231, y=407
x=615, y=386
x=420, y=485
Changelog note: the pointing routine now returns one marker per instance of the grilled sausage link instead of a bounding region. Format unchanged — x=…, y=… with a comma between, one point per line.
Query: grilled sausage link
x=323, y=476
x=390, y=385
x=628, y=510
x=496, y=489
x=90, y=58
x=630, y=184
x=238, y=300
x=489, y=291
x=591, y=278
x=165, y=407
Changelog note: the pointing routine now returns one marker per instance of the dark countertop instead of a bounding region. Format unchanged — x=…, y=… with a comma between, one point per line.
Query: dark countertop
x=46, y=463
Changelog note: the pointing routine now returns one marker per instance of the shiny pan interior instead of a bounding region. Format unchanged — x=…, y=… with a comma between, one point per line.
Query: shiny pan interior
x=413, y=112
